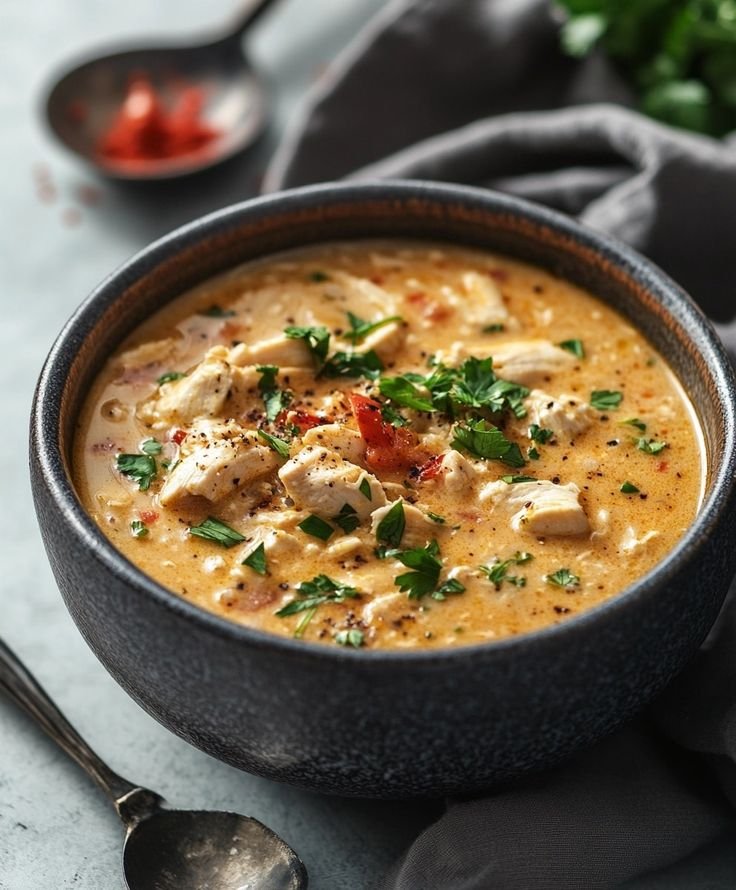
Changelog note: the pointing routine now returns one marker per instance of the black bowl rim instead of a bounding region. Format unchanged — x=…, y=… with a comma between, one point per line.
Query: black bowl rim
x=46, y=414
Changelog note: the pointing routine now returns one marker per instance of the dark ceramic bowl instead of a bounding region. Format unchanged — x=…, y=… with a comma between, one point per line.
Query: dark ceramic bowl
x=378, y=723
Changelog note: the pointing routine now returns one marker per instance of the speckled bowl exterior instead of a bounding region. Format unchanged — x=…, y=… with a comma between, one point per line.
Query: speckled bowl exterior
x=382, y=723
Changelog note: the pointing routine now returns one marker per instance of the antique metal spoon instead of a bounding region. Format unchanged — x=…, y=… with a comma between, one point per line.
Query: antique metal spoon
x=83, y=99
x=165, y=849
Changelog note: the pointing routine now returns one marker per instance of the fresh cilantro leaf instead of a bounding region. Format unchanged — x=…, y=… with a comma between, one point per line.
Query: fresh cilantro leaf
x=217, y=531
x=629, y=488
x=393, y=417
x=321, y=589
x=497, y=572
x=540, y=434
x=649, y=446
x=390, y=529
x=352, y=364
x=316, y=527
x=403, y=392
x=138, y=529
x=435, y=517
x=280, y=446
x=276, y=400
x=512, y=480
x=141, y=468
x=316, y=338
x=256, y=560
x=151, y=446
x=522, y=556
x=605, y=399
x=359, y=329
x=564, y=578
x=487, y=441
x=365, y=489
x=635, y=422
x=574, y=346
x=532, y=453
x=347, y=519
x=352, y=637
x=169, y=377
x=424, y=579
x=451, y=586
x=217, y=312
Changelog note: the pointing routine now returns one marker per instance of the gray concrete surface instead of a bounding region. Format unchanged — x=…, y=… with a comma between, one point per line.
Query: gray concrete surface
x=56, y=831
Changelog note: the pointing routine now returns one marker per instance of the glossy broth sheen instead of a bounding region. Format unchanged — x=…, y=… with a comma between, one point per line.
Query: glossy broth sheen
x=441, y=509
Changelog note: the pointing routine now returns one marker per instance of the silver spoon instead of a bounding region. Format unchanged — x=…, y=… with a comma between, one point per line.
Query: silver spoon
x=165, y=849
x=84, y=99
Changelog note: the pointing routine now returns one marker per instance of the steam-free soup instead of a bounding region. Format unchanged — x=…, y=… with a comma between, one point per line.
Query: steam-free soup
x=390, y=445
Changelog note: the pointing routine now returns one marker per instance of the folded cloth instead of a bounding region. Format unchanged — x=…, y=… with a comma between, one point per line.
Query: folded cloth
x=478, y=92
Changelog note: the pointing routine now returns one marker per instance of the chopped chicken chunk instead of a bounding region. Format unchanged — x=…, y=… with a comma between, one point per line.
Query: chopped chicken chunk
x=540, y=508
x=419, y=528
x=630, y=543
x=457, y=472
x=281, y=351
x=366, y=298
x=385, y=341
x=523, y=361
x=200, y=394
x=218, y=459
x=567, y=415
x=347, y=442
x=319, y=480
x=484, y=304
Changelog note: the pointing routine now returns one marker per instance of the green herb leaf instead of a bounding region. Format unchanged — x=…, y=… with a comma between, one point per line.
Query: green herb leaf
x=393, y=417
x=352, y=637
x=365, y=489
x=573, y=346
x=274, y=399
x=532, y=453
x=487, y=441
x=493, y=328
x=347, y=519
x=151, y=446
x=512, y=480
x=649, y=446
x=318, y=276
x=280, y=446
x=497, y=572
x=540, y=434
x=321, y=589
x=424, y=578
x=435, y=517
x=605, y=399
x=217, y=531
x=256, y=560
x=316, y=527
x=141, y=468
x=629, y=488
x=316, y=338
x=138, y=529
x=352, y=364
x=390, y=529
x=359, y=329
x=451, y=586
x=635, y=422
x=169, y=377
x=563, y=578
x=403, y=392
x=217, y=312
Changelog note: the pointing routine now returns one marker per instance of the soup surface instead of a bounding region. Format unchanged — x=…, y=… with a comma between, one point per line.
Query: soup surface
x=390, y=444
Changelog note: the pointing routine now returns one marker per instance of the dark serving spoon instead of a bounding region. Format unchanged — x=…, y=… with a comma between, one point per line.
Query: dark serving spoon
x=165, y=849
x=84, y=99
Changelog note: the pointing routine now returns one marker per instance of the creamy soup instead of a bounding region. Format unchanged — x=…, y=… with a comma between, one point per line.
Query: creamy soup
x=390, y=445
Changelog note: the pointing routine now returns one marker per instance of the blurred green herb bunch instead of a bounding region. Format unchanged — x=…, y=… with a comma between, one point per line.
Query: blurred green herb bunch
x=678, y=55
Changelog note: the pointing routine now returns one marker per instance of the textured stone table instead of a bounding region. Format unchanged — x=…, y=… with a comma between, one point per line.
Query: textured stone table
x=56, y=830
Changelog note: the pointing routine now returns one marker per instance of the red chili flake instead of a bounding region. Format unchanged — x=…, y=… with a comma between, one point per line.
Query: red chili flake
x=148, y=517
x=498, y=274
x=431, y=469
x=178, y=436
x=438, y=312
x=305, y=421
x=376, y=279
x=662, y=466
x=416, y=297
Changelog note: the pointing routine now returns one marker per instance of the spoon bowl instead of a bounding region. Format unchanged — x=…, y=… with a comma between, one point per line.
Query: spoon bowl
x=84, y=99
x=181, y=849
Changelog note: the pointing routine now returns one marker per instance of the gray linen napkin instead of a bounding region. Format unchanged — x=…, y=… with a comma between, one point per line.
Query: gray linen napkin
x=476, y=91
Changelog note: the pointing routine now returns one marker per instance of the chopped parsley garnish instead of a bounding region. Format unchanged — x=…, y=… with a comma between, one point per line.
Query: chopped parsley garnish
x=359, y=328
x=352, y=364
x=352, y=637
x=138, y=529
x=390, y=529
x=497, y=572
x=316, y=527
x=424, y=579
x=649, y=446
x=169, y=377
x=151, y=446
x=487, y=441
x=280, y=446
x=217, y=312
x=276, y=400
x=563, y=578
x=635, y=422
x=318, y=276
x=513, y=480
x=629, y=488
x=435, y=517
x=347, y=519
x=403, y=392
x=390, y=415
x=217, y=531
x=493, y=328
x=256, y=560
x=532, y=453
x=605, y=399
x=574, y=346
x=365, y=489
x=316, y=338
x=321, y=589
x=540, y=434
x=141, y=468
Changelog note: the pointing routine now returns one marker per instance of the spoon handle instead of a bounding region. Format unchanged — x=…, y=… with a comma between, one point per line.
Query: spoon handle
x=21, y=686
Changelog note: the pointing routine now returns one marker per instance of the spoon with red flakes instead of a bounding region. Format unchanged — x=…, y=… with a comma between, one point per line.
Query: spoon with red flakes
x=157, y=112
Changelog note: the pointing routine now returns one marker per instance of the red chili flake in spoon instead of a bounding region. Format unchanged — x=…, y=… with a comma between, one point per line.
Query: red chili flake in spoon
x=145, y=129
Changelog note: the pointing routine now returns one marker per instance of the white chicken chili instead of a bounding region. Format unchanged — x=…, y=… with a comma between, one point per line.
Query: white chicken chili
x=391, y=445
